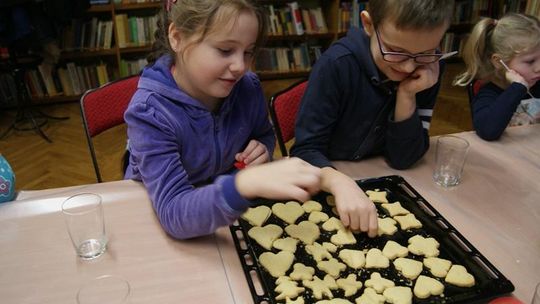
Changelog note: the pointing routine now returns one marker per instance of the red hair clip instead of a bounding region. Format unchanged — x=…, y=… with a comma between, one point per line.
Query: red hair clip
x=169, y=4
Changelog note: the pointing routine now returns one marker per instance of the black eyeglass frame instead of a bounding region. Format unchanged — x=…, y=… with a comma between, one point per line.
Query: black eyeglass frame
x=436, y=57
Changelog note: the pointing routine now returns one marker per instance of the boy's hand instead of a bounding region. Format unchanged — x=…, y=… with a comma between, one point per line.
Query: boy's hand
x=290, y=178
x=255, y=153
x=356, y=210
x=423, y=77
x=513, y=76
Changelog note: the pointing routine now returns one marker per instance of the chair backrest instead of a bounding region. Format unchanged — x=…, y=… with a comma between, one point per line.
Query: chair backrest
x=103, y=108
x=284, y=106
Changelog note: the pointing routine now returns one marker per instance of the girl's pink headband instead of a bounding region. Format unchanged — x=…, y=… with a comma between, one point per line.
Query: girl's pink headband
x=169, y=4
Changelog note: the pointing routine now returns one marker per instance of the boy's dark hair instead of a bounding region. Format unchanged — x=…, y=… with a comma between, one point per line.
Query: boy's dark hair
x=412, y=14
x=201, y=17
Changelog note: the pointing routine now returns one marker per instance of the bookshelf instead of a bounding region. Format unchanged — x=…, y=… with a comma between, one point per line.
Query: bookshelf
x=288, y=54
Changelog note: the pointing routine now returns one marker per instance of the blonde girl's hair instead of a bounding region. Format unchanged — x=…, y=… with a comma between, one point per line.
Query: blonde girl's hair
x=511, y=35
x=201, y=17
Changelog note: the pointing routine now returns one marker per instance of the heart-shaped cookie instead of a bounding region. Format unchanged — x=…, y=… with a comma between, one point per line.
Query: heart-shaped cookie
x=277, y=264
x=426, y=287
x=409, y=268
x=437, y=266
x=265, y=236
x=343, y=237
x=287, y=244
x=353, y=258
x=288, y=212
x=398, y=295
x=458, y=275
x=257, y=216
x=306, y=231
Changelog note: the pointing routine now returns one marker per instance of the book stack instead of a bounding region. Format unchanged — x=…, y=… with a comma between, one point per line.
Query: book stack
x=294, y=20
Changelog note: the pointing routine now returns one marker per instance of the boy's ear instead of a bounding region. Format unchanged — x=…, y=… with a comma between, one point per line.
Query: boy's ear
x=175, y=37
x=367, y=23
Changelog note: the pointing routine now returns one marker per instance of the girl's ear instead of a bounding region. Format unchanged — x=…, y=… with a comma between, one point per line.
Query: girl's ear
x=496, y=61
x=367, y=23
x=175, y=37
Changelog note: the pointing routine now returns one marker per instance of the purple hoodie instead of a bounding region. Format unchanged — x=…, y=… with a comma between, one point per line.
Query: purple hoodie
x=184, y=154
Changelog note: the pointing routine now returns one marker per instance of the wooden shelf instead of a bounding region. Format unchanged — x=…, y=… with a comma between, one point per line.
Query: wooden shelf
x=136, y=49
x=87, y=54
x=137, y=6
x=269, y=75
x=301, y=37
x=101, y=8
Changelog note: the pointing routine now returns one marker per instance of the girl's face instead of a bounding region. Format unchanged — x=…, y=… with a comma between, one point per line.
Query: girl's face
x=208, y=70
x=527, y=65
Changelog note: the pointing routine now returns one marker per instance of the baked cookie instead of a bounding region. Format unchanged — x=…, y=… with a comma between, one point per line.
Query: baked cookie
x=353, y=258
x=277, y=264
x=394, y=250
x=257, y=216
x=330, y=247
x=299, y=300
x=437, y=266
x=317, y=217
x=370, y=297
x=334, y=301
x=331, y=200
x=318, y=252
x=375, y=259
x=378, y=283
x=333, y=224
x=332, y=267
x=266, y=235
x=305, y=231
x=426, y=287
x=287, y=244
x=409, y=268
x=286, y=288
x=302, y=272
x=330, y=282
x=395, y=209
x=349, y=285
x=419, y=245
x=458, y=275
x=343, y=237
x=408, y=221
x=387, y=226
x=377, y=196
x=318, y=288
x=288, y=212
x=311, y=205
x=398, y=295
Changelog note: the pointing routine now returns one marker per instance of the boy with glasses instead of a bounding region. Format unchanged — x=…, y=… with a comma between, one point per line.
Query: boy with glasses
x=372, y=93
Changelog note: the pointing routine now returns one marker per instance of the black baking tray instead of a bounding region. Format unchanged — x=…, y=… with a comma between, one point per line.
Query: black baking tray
x=490, y=282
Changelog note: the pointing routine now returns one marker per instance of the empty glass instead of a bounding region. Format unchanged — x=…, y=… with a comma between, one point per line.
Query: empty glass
x=450, y=155
x=85, y=223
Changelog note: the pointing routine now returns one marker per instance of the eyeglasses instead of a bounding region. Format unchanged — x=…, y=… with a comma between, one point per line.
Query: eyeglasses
x=398, y=57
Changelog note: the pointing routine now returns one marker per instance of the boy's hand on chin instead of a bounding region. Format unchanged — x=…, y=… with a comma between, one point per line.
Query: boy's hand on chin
x=423, y=77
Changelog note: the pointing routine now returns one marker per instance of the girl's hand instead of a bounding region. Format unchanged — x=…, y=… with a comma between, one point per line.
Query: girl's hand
x=290, y=178
x=423, y=77
x=513, y=76
x=255, y=153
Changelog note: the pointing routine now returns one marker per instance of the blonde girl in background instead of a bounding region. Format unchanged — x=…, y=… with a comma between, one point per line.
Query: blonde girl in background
x=505, y=55
x=198, y=110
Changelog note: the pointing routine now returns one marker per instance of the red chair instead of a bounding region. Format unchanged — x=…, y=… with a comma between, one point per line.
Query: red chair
x=103, y=108
x=283, y=109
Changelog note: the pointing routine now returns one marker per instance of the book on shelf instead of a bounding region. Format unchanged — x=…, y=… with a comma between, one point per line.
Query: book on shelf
x=292, y=19
x=284, y=59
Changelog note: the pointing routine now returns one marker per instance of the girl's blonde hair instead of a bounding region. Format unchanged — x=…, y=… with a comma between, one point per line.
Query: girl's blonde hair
x=511, y=35
x=201, y=17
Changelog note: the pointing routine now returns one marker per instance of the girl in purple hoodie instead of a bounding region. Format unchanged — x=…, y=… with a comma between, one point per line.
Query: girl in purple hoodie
x=197, y=111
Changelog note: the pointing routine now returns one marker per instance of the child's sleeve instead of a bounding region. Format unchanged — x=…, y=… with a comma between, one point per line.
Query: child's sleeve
x=408, y=140
x=184, y=210
x=493, y=110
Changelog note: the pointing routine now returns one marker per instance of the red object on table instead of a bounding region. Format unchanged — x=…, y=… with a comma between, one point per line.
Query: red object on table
x=506, y=300
x=240, y=165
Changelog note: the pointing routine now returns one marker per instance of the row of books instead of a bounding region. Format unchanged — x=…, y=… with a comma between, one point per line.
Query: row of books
x=286, y=59
x=471, y=11
x=69, y=80
x=349, y=14
x=453, y=42
x=293, y=20
x=135, y=31
x=89, y=34
x=533, y=8
x=132, y=67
